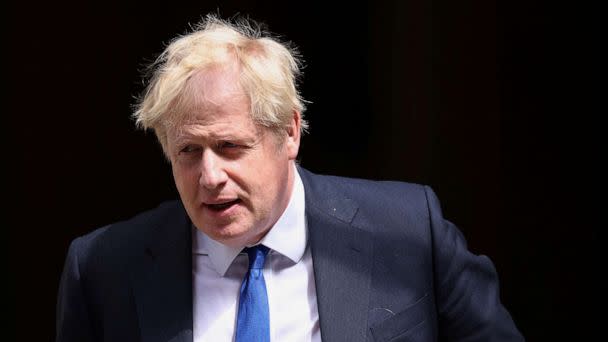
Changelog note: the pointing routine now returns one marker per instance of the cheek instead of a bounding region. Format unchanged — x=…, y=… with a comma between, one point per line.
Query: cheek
x=258, y=186
x=185, y=180
x=269, y=183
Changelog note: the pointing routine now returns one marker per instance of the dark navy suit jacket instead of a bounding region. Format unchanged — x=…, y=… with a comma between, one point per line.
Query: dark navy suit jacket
x=388, y=267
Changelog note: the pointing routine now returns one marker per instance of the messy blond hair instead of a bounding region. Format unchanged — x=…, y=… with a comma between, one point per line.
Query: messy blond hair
x=268, y=73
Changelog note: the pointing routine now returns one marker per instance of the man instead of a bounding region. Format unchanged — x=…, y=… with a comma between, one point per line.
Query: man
x=259, y=249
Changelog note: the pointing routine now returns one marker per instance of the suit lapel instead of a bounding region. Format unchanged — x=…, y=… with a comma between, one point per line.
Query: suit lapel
x=162, y=283
x=342, y=259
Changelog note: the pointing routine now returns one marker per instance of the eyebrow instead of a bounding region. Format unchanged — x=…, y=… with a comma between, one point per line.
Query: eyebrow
x=186, y=137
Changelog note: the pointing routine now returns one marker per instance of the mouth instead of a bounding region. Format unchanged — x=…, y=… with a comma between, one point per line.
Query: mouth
x=222, y=206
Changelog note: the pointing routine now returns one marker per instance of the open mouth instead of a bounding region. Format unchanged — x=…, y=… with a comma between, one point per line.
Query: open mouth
x=222, y=206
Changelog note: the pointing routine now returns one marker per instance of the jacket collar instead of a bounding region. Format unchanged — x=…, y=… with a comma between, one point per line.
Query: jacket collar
x=342, y=259
x=162, y=281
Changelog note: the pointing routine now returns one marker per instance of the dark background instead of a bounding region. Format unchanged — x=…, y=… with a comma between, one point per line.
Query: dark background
x=495, y=104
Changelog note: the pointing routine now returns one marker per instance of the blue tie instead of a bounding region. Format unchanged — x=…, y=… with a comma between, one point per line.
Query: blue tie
x=252, y=323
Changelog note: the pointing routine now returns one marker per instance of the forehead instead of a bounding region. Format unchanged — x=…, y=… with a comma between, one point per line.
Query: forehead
x=216, y=124
x=208, y=93
x=215, y=83
x=215, y=86
x=212, y=102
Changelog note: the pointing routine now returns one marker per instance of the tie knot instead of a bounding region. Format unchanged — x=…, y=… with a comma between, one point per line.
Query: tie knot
x=257, y=256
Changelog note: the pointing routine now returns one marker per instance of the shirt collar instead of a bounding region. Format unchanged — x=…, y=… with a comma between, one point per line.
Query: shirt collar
x=287, y=237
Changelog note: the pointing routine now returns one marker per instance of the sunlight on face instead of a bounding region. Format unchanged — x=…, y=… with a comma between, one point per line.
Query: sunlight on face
x=233, y=176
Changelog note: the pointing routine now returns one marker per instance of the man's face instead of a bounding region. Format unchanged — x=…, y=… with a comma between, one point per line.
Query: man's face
x=233, y=176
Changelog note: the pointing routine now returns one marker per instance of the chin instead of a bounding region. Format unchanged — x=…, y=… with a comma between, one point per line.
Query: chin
x=232, y=241
x=227, y=236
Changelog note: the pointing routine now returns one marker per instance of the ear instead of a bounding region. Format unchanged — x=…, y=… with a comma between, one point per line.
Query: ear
x=292, y=143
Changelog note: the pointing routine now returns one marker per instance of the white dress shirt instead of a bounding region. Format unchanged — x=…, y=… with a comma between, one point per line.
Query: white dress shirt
x=218, y=270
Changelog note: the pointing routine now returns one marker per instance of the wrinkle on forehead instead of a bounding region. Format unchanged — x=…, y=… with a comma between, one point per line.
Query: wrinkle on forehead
x=216, y=132
x=213, y=104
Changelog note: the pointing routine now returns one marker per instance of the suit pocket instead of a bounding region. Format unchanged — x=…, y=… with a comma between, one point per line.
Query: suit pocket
x=399, y=326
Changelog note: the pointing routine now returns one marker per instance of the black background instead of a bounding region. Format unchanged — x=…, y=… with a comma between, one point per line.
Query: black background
x=495, y=104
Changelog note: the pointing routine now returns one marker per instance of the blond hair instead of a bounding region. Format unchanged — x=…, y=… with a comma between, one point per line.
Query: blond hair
x=269, y=71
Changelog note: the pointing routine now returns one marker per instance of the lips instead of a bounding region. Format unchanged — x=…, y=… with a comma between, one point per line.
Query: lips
x=219, y=206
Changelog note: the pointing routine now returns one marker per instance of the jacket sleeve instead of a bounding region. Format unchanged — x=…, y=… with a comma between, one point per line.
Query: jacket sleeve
x=72, y=317
x=466, y=287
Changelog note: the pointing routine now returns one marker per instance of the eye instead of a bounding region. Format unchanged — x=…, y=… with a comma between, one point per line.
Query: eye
x=190, y=149
x=230, y=149
x=228, y=144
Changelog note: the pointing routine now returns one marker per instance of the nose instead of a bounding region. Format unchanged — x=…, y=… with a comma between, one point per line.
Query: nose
x=213, y=174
